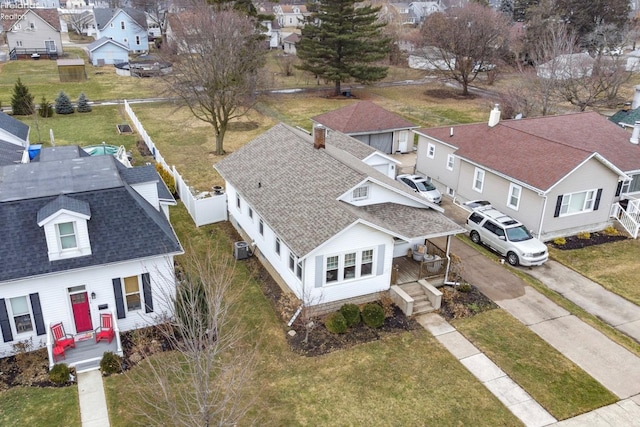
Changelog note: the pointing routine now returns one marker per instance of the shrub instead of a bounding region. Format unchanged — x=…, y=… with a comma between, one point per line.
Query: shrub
x=388, y=305
x=584, y=235
x=336, y=323
x=59, y=374
x=63, y=104
x=83, y=104
x=373, y=315
x=45, y=110
x=464, y=287
x=166, y=176
x=611, y=231
x=351, y=313
x=559, y=241
x=111, y=363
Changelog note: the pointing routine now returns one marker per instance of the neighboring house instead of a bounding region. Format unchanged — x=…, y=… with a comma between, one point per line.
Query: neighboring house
x=13, y=131
x=124, y=25
x=422, y=9
x=630, y=114
x=403, y=14
x=568, y=66
x=328, y=223
x=290, y=15
x=633, y=61
x=372, y=125
x=84, y=236
x=272, y=33
x=558, y=175
x=32, y=31
x=107, y=51
x=31, y=4
x=289, y=43
x=10, y=153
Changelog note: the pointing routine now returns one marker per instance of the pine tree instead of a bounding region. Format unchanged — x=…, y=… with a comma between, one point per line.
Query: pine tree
x=63, y=104
x=22, y=100
x=45, y=110
x=340, y=42
x=83, y=104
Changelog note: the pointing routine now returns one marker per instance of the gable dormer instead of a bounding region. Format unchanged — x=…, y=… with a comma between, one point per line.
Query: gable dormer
x=64, y=221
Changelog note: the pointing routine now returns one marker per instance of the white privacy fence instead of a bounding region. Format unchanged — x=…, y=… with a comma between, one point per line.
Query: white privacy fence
x=205, y=207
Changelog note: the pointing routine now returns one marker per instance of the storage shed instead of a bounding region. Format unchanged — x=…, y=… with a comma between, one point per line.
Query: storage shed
x=71, y=70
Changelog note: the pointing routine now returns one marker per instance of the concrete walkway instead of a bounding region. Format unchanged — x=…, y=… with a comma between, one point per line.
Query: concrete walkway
x=609, y=363
x=593, y=298
x=518, y=401
x=93, y=404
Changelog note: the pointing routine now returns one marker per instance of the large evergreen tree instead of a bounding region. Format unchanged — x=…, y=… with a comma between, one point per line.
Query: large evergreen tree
x=340, y=42
x=22, y=101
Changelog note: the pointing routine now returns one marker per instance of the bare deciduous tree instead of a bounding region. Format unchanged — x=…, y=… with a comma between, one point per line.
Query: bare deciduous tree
x=204, y=381
x=466, y=40
x=218, y=55
x=157, y=12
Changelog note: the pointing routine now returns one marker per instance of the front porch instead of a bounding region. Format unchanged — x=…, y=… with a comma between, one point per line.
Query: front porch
x=432, y=266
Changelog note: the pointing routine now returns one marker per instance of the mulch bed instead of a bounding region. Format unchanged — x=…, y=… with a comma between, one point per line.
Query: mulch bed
x=457, y=304
x=575, y=242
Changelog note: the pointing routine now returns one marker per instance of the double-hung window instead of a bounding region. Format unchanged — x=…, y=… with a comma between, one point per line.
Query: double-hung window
x=132, y=293
x=333, y=263
x=450, y=161
x=515, y=191
x=431, y=150
x=348, y=266
x=366, y=263
x=21, y=314
x=67, y=235
x=577, y=202
x=478, y=180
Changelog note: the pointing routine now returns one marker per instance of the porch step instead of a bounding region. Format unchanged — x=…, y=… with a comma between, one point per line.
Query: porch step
x=90, y=365
x=413, y=289
x=422, y=307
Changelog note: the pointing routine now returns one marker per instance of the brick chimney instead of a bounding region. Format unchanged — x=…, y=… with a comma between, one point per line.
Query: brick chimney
x=494, y=116
x=319, y=136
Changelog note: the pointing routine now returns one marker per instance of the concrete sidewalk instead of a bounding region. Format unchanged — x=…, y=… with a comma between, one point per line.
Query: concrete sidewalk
x=93, y=404
x=518, y=401
x=593, y=298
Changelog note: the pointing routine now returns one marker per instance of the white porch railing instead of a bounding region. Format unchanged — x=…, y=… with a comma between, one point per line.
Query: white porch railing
x=630, y=218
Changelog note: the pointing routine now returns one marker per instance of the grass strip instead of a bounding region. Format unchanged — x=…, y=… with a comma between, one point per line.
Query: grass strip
x=555, y=382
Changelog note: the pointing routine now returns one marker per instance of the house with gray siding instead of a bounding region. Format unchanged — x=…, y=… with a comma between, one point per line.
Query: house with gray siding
x=32, y=31
x=558, y=175
x=84, y=236
x=328, y=223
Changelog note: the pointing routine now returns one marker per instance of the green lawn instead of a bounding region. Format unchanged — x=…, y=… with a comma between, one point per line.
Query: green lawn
x=614, y=265
x=34, y=406
x=407, y=379
x=555, y=382
x=41, y=77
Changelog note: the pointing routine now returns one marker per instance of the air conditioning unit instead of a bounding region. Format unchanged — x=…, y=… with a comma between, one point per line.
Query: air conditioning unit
x=241, y=250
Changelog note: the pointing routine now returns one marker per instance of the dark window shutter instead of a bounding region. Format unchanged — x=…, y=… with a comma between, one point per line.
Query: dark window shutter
x=5, y=326
x=117, y=292
x=619, y=188
x=558, y=206
x=146, y=290
x=596, y=205
x=37, y=313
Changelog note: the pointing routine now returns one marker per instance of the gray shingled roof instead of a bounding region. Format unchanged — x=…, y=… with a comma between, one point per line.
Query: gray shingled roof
x=104, y=15
x=63, y=202
x=10, y=153
x=145, y=173
x=104, y=40
x=14, y=126
x=295, y=187
x=123, y=225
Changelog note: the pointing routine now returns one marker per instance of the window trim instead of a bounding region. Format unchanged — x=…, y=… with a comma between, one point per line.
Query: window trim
x=451, y=161
x=360, y=193
x=478, y=175
x=12, y=315
x=340, y=275
x=431, y=150
x=60, y=236
x=139, y=293
x=590, y=201
x=513, y=187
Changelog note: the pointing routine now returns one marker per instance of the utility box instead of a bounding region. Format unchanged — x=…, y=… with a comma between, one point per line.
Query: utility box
x=241, y=250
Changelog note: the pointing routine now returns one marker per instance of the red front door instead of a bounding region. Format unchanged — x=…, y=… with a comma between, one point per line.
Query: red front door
x=81, y=312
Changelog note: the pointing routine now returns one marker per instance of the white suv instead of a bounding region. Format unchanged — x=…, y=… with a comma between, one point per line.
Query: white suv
x=505, y=235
